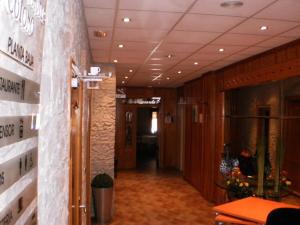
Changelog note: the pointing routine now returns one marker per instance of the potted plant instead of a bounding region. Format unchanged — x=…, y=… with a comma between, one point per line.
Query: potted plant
x=102, y=186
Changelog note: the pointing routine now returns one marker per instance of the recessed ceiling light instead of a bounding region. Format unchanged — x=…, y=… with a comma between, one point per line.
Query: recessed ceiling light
x=170, y=56
x=100, y=34
x=179, y=72
x=156, y=59
x=196, y=63
x=130, y=71
x=115, y=60
x=264, y=27
x=126, y=77
x=155, y=69
x=168, y=78
x=126, y=20
x=123, y=82
x=231, y=4
x=221, y=50
x=120, y=46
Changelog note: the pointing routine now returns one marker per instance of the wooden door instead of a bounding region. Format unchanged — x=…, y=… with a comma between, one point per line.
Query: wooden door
x=292, y=141
x=126, y=137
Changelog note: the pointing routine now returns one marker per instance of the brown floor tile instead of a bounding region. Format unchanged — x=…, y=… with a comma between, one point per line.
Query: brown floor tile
x=158, y=199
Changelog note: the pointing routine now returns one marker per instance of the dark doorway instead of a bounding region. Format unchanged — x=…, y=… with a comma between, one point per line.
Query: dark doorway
x=147, y=139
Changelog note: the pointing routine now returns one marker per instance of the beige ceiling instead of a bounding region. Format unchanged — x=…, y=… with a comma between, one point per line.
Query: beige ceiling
x=190, y=30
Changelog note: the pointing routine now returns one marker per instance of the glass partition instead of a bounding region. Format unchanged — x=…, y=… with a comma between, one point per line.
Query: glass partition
x=262, y=131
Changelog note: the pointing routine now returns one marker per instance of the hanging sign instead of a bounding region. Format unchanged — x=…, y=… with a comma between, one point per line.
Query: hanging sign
x=15, y=209
x=32, y=219
x=15, y=129
x=12, y=170
x=17, y=89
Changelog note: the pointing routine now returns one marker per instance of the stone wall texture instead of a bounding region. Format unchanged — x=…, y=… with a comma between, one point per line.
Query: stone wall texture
x=103, y=125
x=65, y=38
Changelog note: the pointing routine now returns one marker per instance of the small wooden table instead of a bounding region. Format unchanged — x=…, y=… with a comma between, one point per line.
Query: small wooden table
x=250, y=209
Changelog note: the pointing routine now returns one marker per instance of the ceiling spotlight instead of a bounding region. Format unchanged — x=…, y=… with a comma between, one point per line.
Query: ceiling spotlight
x=126, y=20
x=115, y=60
x=120, y=46
x=179, y=72
x=130, y=71
x=231, y=4
x=168, y=78
x=263, y=28
x=196, y=63
x=221, y=50
x=170, y=56
x=155, y=69
x=126, y=77
x=100, y=34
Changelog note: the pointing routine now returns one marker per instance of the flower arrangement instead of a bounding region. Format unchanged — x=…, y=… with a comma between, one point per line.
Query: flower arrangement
x=285, y=182
x=238, y=185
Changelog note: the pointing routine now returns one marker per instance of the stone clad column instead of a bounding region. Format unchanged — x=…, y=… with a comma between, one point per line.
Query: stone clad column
x=103, y=125
x=65, y=38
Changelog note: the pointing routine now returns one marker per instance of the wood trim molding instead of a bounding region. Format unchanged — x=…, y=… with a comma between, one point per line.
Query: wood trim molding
x=276, y=64
x=271, y=73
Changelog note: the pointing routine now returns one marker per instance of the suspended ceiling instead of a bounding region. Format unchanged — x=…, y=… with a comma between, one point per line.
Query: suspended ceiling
x=190, y=30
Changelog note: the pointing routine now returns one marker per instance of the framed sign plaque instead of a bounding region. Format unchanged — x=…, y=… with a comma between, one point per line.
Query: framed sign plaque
x=18, y=89
x=14, y=210
x=14, y=129
x=12, y=170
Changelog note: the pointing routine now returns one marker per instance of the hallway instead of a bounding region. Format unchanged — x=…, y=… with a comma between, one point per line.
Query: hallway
x=162, y=198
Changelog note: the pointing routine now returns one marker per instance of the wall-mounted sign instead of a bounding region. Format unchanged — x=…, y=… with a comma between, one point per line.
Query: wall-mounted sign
x=24, y=12
x=15, y=129
x=120, y=93
x=143, y=101
x=12, y=170
x=17, y=89
x=15, y=209
x=32, y=219
x=17, y=52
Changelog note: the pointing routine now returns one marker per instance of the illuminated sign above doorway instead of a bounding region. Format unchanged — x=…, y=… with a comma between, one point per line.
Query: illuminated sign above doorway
x=143, y=101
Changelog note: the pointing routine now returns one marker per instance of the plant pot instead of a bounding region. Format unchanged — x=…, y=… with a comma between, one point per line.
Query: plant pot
x=103, y=204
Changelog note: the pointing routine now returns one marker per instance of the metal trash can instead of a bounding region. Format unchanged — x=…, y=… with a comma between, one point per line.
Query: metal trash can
x=103, y=204
x=102, y=186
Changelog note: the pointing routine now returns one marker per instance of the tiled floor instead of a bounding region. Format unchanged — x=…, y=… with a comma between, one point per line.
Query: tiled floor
x=149, y=198
x=161, y=198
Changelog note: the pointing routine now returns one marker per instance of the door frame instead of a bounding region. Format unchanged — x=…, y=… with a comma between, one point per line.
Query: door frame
x=75, y=164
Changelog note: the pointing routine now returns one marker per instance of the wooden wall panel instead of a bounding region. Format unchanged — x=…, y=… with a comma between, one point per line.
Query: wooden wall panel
x=204, y=142
x=277, y=64
x=200, y=144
